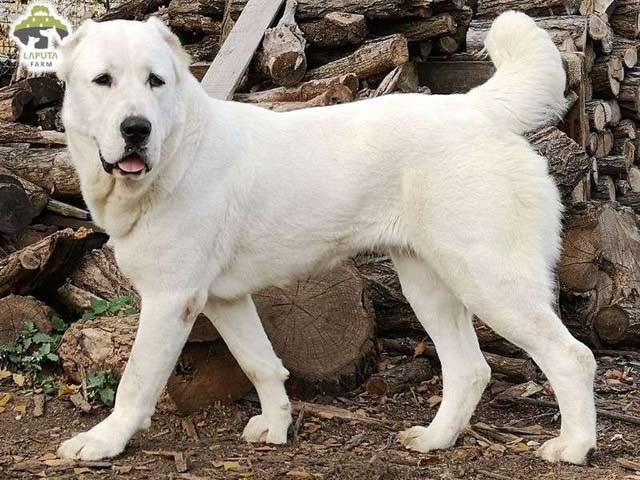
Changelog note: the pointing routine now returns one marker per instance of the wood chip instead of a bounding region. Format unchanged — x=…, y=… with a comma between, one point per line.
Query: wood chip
x=38, y=405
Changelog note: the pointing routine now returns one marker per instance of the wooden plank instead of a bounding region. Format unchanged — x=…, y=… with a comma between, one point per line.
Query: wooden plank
x=233, y=59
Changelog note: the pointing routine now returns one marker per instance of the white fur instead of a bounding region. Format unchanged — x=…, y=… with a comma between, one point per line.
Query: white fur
x=240, y=198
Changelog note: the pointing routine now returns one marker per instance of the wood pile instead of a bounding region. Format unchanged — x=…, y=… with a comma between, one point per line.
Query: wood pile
x=319, y=53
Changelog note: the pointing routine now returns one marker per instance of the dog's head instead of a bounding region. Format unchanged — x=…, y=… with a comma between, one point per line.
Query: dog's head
x=123, y=91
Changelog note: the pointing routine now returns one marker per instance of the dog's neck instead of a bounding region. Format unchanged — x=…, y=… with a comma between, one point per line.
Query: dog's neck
x=117, y=204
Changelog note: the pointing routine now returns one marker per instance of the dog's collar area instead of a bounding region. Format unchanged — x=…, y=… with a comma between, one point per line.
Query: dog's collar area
x=133, y=163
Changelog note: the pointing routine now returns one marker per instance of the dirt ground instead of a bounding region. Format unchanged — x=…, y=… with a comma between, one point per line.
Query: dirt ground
x=210, y=445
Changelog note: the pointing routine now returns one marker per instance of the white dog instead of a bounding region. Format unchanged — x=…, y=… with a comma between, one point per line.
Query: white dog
x=208, y=201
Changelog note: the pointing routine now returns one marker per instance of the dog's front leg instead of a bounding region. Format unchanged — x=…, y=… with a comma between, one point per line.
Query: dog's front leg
x=242, y=331
x=165, y=323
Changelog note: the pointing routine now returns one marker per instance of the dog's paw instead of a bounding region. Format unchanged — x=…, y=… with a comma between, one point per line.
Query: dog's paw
x=90, y=446
x=261, y=429
x=561, y=449
x=425, y=439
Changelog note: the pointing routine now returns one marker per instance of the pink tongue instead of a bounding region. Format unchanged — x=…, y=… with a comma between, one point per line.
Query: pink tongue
x=131, y=164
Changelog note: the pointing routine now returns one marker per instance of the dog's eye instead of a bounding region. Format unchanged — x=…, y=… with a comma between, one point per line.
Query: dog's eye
x=104, y=79
x=155, y=81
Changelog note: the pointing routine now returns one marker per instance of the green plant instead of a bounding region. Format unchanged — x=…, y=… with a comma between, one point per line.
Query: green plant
x=33, y=349
x=101, y=387
x=109, y=308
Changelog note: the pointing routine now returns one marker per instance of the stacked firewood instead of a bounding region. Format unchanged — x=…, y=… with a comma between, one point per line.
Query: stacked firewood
x=321, y=53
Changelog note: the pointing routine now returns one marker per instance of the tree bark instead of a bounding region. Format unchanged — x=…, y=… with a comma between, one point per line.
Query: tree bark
x=613, y=166
x=31, y=93
x=134, y=10
x=400, y=377
x=417, y=30
x=488, y=9
x=333, y=96
x=625, y=20
x=629, y=98
x=20, y=202
x=336, y=29
x=606, y=75
x=194, y=22
x=626, y=50
x=373, y=58
x=16, y=310
x=49, y=168
x=619, y=324
x=14, y=132
x=303, y=92
x=596, y=113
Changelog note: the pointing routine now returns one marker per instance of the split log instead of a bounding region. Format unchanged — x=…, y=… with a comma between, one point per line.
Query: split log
x=606, y=75
x=626, y=50
x=602, y=34
x=567, y=32
x=46, y=263
x=33, y=92
x=634, y=179
x=16, y=310
x=626, y=149
x=302, y=93
x=333, y=96
x=417, y=30
x=30, y=235
x=600, y=263
x=400, y=377
x=568, y=163
x=282, y=58
x=335, y=29
x=625, y=19
x=403, y=79
x=613, y=166
x=14, y=132
x=373, y=58
x=629, y=98
x=50, y=169
x=600, y=7
x=20, y=202
x=487, y=9
x=613, y=111
x=322, y=328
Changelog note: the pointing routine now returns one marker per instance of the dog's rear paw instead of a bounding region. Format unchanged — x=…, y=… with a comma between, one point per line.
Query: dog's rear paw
x=260, y=429
x=425, y=439
x=89, y=446
x=566, y=450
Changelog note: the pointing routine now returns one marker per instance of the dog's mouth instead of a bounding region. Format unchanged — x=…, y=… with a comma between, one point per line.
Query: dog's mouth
x=133, y=163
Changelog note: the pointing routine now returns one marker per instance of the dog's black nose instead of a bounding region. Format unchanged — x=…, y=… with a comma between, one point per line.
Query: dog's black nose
x=135, y=130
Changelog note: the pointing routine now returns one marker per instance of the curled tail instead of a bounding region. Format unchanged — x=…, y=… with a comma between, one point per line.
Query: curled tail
x=527, y=89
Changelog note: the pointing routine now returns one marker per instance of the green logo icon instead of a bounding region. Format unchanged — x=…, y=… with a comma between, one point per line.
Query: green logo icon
x=36, y=33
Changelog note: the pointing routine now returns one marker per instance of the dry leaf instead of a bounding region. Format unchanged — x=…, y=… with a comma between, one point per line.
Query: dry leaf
x=419, y=349
x=18, y=379
x=434, y=400
x=228, y=466
x=5, y=374
x=20, y=409
x=4, y=399
x=65, y=389
x=312, y=427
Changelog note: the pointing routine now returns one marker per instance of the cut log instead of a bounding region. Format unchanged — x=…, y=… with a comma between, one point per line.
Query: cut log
x=596, y=113
x=634, y=179
x=625, y=19
x=193, y=22
x=50, y=119
x=567, y=32
x=282, y=58
x=631, y=200
x=373, y=58
x=400, y=377
x=205, y=50
x=335, y=29
x=322, y=329
x=613, y=111
x=50, y=169
x=14, y=132
x=605, y=189
x=629, y=98
x=601, y=7
x=33, y=92
x=626, y=50
x=20, y=202
x=623, y=187
x=133, y=10
x=606, y=75
x=46, y=263
x=447, y=45
x=16, y=310
x=601, y=33
x=403, y=79
x=568, y=163
x=619, y=324
x=417, y=30
x=75, y=299
x=600, y=263
x=30, y=235
x=333, y=96
x=613, y=166
x=487, y=9
x=626, y=149
x=302, y=93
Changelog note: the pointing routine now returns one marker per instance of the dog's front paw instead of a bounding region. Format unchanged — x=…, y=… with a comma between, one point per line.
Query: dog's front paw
x=91, y=446
x=261, y=429
x=425, y=439
x=561, y=449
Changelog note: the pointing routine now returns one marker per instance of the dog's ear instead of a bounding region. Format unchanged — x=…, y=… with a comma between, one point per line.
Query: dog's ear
x=182, y=58
x=67, y=46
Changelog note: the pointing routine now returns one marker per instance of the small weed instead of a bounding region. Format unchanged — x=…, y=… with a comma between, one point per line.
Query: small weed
x=101, y=387
x=109, y=308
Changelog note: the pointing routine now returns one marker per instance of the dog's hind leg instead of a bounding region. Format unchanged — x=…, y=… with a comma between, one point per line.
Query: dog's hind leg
x=464, y=369
x=242, y=331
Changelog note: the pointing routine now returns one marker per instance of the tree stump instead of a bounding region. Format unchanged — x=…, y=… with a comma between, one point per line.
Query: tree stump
x=322, y=328
x=15, y=310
